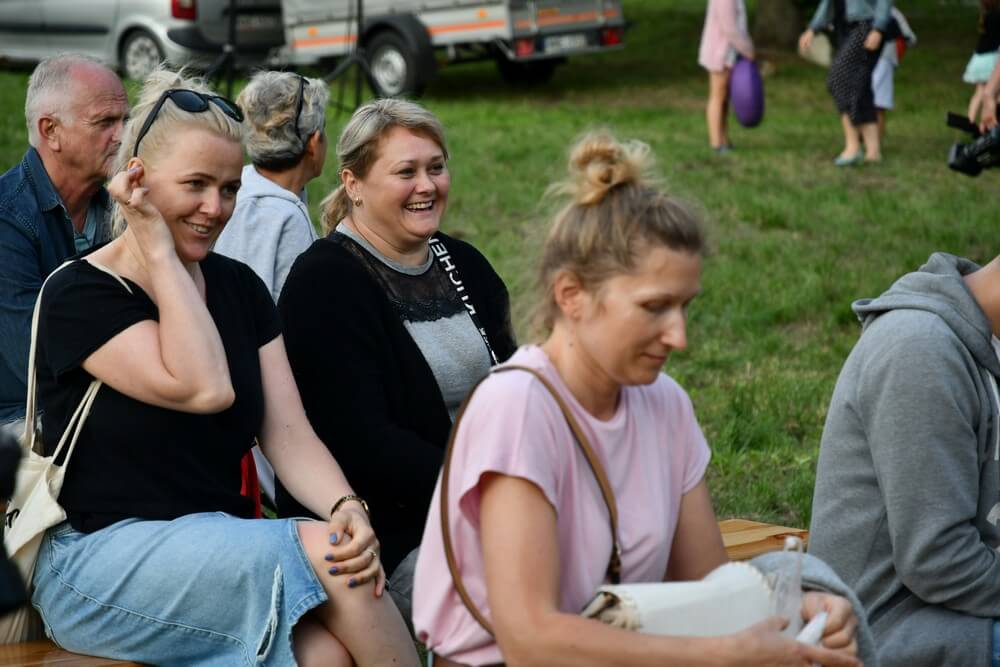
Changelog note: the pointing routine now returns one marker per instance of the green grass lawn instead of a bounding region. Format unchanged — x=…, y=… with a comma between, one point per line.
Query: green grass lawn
x=794, y=239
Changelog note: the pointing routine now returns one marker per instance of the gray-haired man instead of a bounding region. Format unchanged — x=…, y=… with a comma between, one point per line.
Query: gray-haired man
x=52, y=204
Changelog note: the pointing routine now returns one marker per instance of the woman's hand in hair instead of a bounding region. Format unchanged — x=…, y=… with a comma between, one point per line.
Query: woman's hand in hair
x=354, y=552
x=143, y=218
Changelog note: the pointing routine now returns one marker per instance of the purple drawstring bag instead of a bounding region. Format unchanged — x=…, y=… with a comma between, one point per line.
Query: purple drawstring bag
x=746, y=93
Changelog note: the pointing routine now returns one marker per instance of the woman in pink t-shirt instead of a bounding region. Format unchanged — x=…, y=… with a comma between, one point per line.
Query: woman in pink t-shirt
x=527, y=521
x=724, y=38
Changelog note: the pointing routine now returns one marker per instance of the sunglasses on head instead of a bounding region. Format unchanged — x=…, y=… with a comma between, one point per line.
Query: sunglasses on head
x=191, y=101
x=298, y=108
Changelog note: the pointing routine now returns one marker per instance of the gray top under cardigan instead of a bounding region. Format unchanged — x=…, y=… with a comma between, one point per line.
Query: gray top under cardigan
x=434, y=317
x=907, y=497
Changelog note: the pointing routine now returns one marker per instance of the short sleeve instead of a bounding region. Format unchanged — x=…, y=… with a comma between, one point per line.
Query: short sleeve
x=82, y=309
x=687, y=434
x=267, y=322
x=512, y=427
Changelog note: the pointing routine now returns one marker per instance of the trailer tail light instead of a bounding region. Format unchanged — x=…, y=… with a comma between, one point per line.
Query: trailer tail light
x=611, y=36
x=524, y=47
x=184, y=9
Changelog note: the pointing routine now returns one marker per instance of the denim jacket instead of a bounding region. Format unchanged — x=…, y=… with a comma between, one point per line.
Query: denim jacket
x=877, y=11
x=36, y=236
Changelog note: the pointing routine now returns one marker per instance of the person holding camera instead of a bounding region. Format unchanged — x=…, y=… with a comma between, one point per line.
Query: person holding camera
x=984, y=58
x=859, y=26
x=907, y=498
x=991, y=91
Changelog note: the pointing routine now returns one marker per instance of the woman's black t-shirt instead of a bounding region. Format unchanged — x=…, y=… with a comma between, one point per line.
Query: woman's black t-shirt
x=134, y=459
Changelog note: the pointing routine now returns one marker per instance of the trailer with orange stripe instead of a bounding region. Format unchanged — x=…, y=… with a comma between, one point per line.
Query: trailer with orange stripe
x=405, y=41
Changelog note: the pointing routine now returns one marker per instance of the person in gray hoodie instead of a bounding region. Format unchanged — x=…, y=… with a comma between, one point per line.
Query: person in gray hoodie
x=907, y=499
x=286, y=141
x=285, y=120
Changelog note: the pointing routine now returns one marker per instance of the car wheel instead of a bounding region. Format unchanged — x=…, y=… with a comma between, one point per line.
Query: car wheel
x=531, y=73
x=141, y=54
x=394, y=66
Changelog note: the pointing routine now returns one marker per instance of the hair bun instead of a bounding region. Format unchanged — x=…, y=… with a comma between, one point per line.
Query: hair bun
x=599, y=163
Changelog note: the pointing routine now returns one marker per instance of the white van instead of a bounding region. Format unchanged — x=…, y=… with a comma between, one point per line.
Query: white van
x=405, y=39
x=134, y=35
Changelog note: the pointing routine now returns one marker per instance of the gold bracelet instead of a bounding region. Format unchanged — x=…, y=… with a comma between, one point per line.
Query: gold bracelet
x=349, y=497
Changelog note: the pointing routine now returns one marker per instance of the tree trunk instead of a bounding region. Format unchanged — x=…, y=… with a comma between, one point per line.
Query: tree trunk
x=778, y=23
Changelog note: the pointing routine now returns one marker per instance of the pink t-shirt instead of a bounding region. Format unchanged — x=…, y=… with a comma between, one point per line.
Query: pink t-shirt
x=652, y=450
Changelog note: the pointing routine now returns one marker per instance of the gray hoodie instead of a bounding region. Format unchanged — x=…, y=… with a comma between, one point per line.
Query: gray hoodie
x=269, y=229
x=907, y=495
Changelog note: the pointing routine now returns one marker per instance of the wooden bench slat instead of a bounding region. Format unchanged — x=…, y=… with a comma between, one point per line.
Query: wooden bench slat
x=46, y=654
x=746, y=539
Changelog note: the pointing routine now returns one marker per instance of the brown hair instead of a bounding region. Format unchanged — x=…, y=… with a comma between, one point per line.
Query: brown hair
x=357, y=148
x=615, y=212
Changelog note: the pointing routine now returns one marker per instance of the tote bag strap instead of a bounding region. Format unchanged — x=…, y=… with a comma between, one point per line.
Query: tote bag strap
x=75, y=423
x=29, y=407
x=614, y=561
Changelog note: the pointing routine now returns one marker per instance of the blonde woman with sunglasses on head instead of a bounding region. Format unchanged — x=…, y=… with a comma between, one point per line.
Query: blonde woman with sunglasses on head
x=159, y=561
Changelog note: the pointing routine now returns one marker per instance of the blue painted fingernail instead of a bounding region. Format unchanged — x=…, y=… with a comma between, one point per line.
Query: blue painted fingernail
x=328, y=557
x=333, y=570
x=333, y=538
x=352, y=583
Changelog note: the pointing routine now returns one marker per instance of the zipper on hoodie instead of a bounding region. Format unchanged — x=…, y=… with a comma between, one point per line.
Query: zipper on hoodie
x=996, y=413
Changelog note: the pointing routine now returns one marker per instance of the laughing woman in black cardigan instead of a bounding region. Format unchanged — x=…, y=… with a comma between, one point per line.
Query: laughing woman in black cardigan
x=389, y=322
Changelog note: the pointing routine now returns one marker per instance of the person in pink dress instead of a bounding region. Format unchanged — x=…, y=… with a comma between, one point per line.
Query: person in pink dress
x=724, y=39
x=528, y=524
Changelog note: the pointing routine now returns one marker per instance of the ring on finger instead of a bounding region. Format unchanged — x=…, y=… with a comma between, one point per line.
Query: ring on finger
x=373, y=553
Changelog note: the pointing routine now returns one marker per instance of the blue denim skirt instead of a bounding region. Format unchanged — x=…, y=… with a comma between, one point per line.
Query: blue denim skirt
x=203, y=590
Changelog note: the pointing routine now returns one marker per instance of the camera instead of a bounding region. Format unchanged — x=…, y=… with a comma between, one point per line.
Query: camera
x=981, y=153
x=12, y=593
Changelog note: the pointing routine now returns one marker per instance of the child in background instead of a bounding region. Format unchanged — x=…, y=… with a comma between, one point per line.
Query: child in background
x=885, y=70
x=977, y=72
x=724, y=39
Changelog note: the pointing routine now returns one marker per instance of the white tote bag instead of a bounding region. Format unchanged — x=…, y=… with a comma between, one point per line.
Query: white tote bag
x=820, y=51
x=34, y=507
x=731, y=598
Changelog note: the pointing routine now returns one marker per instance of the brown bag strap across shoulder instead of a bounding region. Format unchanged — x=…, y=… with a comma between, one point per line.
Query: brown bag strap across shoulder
x=614, y=562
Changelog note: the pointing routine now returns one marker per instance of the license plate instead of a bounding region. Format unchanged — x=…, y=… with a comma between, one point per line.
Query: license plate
x=257, y=22
x=563, y=43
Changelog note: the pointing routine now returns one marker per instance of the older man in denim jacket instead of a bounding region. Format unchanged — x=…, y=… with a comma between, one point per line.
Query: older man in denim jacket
x=53, y=204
